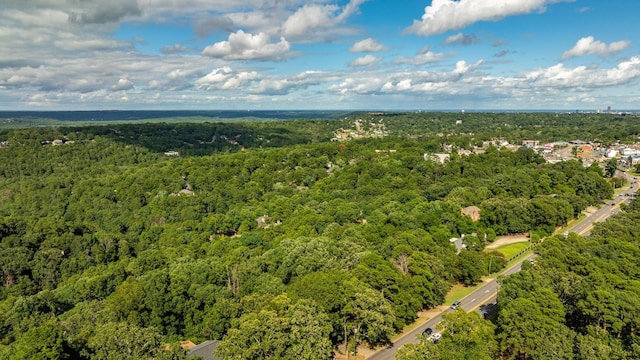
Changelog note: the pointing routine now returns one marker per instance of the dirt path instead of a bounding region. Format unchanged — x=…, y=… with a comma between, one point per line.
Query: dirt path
x=590, y=210
x=508, y=239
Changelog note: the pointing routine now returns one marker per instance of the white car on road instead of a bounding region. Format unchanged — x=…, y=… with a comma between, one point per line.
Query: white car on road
x=435, y=337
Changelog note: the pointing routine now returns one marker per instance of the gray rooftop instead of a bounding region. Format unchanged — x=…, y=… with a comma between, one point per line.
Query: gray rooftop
x=205, y=350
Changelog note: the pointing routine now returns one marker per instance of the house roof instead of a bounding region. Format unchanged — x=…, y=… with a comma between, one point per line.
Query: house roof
x=205, y=350
x=471, y=211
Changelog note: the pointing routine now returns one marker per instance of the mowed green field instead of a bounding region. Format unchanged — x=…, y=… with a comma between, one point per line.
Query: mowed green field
x=511, y=250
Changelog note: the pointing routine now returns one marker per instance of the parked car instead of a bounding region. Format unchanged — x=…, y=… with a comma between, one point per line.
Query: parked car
x=428, y=331
x=435, y=337
x=455, y=305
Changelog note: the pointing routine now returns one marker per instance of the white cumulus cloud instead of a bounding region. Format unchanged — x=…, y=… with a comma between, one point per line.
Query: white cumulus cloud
x=365, y=61
x=589, y=46
x=424, y=56
x=123, y=84
x=583, y=77
x=225, y=79
x=283, y=85
x=460, y=79
x=245, y=46
x=445, y=15
x=367, y=45
x=361, y=86
x=312, y=18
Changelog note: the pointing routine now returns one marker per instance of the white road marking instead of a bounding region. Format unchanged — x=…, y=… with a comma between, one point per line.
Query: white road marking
x=472, y=300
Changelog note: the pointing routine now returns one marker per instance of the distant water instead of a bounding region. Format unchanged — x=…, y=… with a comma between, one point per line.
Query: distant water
x=111, y=115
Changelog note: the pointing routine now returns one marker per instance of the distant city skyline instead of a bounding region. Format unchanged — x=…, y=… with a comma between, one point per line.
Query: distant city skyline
x=313, y=55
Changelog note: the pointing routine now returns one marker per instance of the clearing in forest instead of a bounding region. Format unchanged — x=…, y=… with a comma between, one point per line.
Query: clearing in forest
x=506, y=240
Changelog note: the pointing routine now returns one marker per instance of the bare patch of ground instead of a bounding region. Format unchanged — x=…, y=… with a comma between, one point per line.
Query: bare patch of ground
x=590, y=210
x=508, y=239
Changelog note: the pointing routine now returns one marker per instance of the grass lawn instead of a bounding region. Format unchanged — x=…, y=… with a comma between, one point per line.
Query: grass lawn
x=457, y=292
x=510, y=250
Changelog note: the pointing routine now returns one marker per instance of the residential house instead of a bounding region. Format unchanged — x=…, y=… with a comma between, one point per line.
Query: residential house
x=471, y=211
x=205, y=350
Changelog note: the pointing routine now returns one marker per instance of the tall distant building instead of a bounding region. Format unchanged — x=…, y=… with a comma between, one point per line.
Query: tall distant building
x=609, y=108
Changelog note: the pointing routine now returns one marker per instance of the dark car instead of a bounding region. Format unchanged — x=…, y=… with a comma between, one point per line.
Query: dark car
x=455, y=305
x=428, y=331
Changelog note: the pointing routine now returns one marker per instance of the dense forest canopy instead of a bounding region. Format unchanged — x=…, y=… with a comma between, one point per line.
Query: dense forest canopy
x=269, y=230
x=465, y=128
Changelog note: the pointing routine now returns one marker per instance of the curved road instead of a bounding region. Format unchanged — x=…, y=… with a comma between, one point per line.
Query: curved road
x=487, y=293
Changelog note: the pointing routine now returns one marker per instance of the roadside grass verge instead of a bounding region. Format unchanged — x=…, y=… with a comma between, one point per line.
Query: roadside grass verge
x=522, y=256
x=459, y=291
x=511, y=250
x=571, y=224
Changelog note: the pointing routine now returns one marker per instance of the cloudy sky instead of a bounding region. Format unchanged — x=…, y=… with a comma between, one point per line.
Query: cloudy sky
x=319, y=54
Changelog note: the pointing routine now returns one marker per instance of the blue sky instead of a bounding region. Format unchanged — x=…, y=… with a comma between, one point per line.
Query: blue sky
x=317, y=54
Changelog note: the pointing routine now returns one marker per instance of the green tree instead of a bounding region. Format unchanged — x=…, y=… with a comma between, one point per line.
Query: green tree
x=574, y=151
x=302, y=256
x=380, y=275
x=280, y=330
x=470, y=267
x=122, y=341
x=43, y=340
x=327, y=290
x=127, y=301
x=596, y=344
x=526, y=331
x=611, y=167
x=368, y=316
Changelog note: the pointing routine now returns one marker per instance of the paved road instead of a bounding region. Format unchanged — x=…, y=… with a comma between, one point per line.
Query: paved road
x=610, y=208
x=487, y=293
x=483, y=295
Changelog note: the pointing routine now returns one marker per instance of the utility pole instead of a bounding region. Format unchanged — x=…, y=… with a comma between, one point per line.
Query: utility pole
x=490, y=260
x=355, y=342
